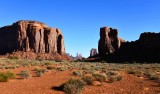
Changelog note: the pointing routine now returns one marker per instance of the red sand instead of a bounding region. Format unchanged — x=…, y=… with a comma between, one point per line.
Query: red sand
x=130, y=84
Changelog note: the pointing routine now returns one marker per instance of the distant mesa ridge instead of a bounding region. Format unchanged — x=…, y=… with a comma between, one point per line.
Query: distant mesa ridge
x=114, y=49
x=31, y=36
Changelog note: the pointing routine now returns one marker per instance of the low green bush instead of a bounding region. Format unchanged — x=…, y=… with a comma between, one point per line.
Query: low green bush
x=4, y=77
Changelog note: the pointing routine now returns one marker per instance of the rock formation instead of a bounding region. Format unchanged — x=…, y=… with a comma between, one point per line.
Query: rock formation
x=145, y=49
x=109, y=41
x=93, y=52
x=31, y=36
x=114, y=49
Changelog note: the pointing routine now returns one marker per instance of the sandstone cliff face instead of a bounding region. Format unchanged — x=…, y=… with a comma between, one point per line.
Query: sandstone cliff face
x=109, y=41
x=31, y=36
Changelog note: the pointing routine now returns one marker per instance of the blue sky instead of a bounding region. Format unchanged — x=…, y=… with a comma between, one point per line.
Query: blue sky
x=80, y=20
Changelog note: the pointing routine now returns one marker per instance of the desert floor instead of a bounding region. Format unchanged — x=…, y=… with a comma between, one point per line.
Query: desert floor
x=130, y=84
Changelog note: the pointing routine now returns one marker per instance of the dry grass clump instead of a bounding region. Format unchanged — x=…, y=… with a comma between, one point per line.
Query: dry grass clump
x=73, y=86
x=25, y=74
x=62, y=68
x=78, y=72
x=111, y=73
x=40, y=72
x=100, y=77
x=135, y=72
x=119, y=77
x=50, y=67
x=88, y=79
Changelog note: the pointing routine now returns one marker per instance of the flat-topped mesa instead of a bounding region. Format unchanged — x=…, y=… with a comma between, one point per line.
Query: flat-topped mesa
x=31, y=36
x=109, y=41
x=149, y=36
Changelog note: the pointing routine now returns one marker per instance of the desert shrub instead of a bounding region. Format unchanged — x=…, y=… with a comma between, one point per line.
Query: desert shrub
x=111, y=73
x=4, y=77
x=17, y=66
x=85, y=67
x=104, y=70
x=147, y=74
x=11, y=75
x=50, y=67
x=36, y=68
x=25, y=64
x=88, y=79
x=139, y=73
x=135, y=72
x=73, y=86
x=25, y=74
x=78, y=73
x=90, y=71
x=111, y=79
x=153, y=77
x=119, y=77
x=47, y=63
x=98, y=68
x=99, y=77
x=10, y=67
x=131, y=71
x=40, y=72
x=62, y=68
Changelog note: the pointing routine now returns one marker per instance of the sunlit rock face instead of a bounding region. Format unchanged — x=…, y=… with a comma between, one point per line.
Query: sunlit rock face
x=109, y=41
x=31, y=36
